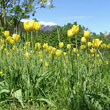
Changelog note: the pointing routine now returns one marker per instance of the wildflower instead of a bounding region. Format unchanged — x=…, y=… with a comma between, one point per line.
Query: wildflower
x=1, y=41
x=6, y=33
x=9, y=38
x=14, y=47
x=27, y=44
x=96, y=43
x=26, y=26
x=58, y=53
x=45, y=46
x=53, y=49
x=15, y=37
x=31, y=24
x=11, y=41
x=64, y=53
x=70, y=33
x=2, y=46
x=46, y=64
x=75, y=29
x=40, y=54
x=100, y=61
x=37, y=46
x=108, y=46
x=92, y=50
x=1, y=72
x=78, y=54
x=89, y=44
x=107, y=62
x=98, y=56
x=27, y=55
x=68, y=46
x=83, y=47
x=49, y=48
x=75, y=50
x=103, y=46
x=86, y=34
x=83, y=40
x=37, y=26
x=61, y=44
x=41, y=60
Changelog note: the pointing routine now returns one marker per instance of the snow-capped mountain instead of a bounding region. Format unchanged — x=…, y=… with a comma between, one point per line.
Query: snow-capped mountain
x=45, y=26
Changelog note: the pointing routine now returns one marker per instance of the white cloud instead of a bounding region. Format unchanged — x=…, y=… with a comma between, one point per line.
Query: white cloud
x=79, y=17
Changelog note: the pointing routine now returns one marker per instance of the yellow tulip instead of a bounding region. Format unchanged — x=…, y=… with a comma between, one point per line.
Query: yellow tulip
x=96, y=43
x=31, y=24
x=15, y=37
x=58, y=53
x=27, y=44
x=45, y=45
x=83, y=47
x=98, y=56
x=37, y=26
x=107, y=62
x=92, y=50
x=61, y=44
x=68, y=46
x=70, y=33
x=9, y=38
x=108, y=46
x=27, y=55
x=64, y=53
x=89, y=44
x=1, y=41
x=86, y=34
x=75, y=50
x=75, y=29
x=6, y=33
x=1, y=72
x=53, y=49
x=40, y=54
x=103, y=46
x=50, y=48
x=83, y=40
x=26, y=26
x=37, y=46
x=11, y=41
x=46, y=64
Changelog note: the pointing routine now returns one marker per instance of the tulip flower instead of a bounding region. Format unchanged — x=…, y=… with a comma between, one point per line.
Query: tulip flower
x=86, y=34
x=6, y=33
x=89, y=44
x=61, y=44
x=37, y=26
x=75, y=29
x=37, y=46
x=92, y=50
x=96, y=43
x=83, y=40
x=45, y=46
x=103, y=46
x=68, y=46
x=83, y=47
x=15, y=37
x=70, y=33
x=58, y=53
x=27, y=55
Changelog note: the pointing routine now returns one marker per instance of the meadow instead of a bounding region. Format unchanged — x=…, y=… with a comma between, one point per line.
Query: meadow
x=40, y=76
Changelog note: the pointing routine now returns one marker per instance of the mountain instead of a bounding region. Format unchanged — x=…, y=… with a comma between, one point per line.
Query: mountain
x=45, y=26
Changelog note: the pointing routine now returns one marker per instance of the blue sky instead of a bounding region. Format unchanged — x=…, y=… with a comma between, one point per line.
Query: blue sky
x=93, y=14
